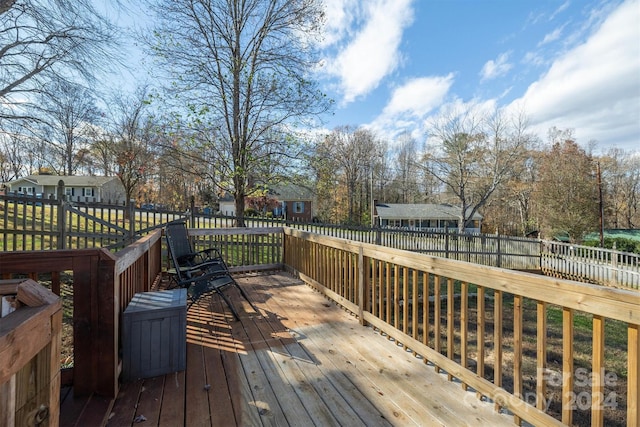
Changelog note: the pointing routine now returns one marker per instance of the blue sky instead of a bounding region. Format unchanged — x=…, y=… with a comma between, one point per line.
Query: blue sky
x=391, y=65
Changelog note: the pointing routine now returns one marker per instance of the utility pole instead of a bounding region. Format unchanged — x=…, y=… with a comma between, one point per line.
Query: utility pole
x=601, y=204
x=373, y=201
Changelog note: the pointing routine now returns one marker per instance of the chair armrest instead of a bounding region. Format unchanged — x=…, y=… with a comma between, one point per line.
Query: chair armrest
x=186, y=260
x=202, y=278
x=214, y=266
x=200, y=257
x=209, y=254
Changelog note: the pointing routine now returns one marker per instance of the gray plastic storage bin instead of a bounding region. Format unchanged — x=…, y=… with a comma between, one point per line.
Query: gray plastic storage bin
x=154, y=332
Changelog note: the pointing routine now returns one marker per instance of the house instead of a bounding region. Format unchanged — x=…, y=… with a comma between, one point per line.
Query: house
x=227, y=205
x=295, y=202
x=83, y=189
x=437, y=217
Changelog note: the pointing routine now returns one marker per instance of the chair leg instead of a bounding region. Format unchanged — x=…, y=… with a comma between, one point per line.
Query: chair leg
x=245, y=296
x=226, y=299
x=242, y=292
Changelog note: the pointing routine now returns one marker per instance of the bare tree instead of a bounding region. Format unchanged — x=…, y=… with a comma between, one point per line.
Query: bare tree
x=66, y=111
x=344, y=161
x=621, y=178
x=406, y=179
x=100, y=160
x=43, y=41
x=13, y=142
x=631, y=192
x=473, y=153
x=243, y=67
x=133, y=133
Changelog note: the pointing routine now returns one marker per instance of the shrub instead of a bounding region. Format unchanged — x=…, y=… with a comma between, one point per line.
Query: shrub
x=621, y=244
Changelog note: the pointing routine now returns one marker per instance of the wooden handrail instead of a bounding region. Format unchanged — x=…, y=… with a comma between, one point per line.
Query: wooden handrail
x=103, y=285
x=375, y=283
x=30, y=355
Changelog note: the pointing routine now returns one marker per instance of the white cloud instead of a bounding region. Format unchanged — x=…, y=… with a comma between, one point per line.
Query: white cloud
x=418, y=96
x=534, y=58
x=373, y=52
x=497, y=68
x=410, y=104
x=552, y=36
x=339, y=18
x=564, y=6
x=594, y=88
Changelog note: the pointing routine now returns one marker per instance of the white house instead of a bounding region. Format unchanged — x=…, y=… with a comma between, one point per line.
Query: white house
x=83, y=189
x=423, y=217
x=227, y=205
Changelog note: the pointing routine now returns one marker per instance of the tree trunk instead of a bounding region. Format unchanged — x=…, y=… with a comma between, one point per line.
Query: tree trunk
x=239, y=201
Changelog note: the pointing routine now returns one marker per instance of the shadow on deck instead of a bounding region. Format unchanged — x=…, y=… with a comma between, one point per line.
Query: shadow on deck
x=298, y=360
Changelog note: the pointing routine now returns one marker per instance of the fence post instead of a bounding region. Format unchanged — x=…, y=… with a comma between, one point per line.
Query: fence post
x=132, y=219
x=499, y=252
x=446, y=243
x=192, y=212
x=614, y=264
x=62, y=214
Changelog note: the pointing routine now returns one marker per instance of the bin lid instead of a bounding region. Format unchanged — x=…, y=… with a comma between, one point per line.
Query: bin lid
x=157, y=300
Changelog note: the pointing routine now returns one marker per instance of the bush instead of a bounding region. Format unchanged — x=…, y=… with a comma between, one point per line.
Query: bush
x=622, y=244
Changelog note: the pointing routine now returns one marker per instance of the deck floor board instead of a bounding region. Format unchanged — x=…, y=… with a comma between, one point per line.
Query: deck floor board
x=294, y=358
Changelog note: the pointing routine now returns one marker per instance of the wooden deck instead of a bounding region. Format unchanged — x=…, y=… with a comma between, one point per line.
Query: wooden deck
x=299, y=360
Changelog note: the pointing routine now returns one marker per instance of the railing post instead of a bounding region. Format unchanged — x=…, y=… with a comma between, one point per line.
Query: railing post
x=362, y=286
x=108, y=335
x=95, y=333
x=633, y=370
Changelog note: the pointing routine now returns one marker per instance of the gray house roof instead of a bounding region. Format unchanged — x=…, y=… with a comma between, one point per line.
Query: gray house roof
x=291, y=193
x=420, y=211
x=69, y=181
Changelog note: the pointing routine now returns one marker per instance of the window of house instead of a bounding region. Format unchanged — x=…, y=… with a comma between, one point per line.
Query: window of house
x=298, y=207
x=68, y=191
x=87, y=191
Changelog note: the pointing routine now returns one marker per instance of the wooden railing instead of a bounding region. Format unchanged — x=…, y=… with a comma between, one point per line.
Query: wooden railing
x=30, y=356
x=488, y=327
x=244, y=249
x=102, y=286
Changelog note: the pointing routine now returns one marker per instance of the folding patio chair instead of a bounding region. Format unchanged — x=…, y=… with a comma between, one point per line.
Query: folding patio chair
x=200, y=272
